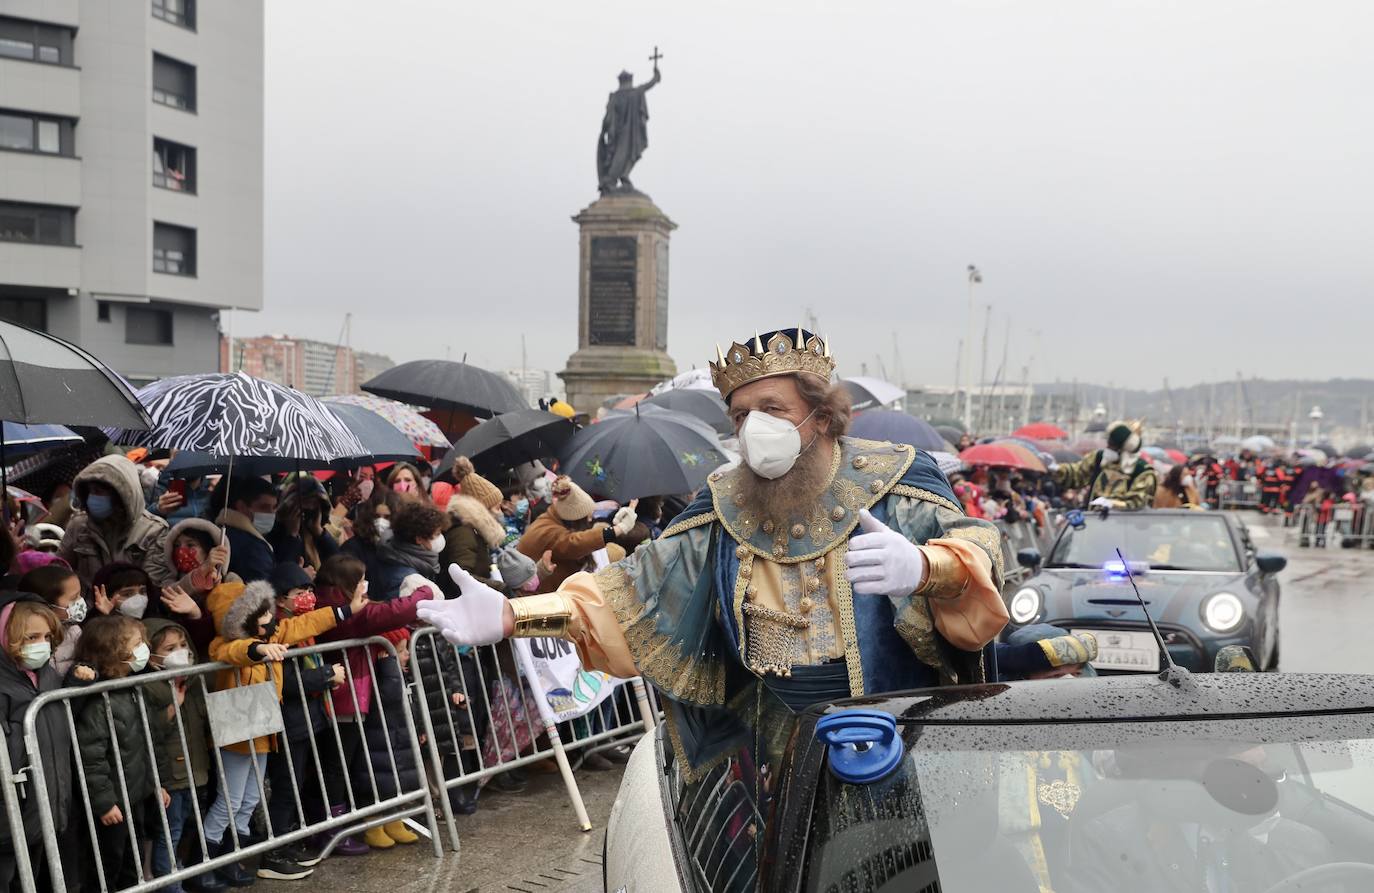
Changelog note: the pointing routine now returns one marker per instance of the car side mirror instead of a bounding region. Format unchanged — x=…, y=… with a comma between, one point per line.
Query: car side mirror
x=1028, y=558
x=1270, y=562
x=1235, y=659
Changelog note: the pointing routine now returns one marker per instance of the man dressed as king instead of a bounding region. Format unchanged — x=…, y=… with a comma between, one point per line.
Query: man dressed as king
x=821, y=567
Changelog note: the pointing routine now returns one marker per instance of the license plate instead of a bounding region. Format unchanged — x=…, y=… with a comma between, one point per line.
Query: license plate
x=1117, y=650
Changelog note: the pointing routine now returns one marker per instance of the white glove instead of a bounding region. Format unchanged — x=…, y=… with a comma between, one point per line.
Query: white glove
x=625, y=518
x=477, y=617
x=1102, y=502
x=883, y=562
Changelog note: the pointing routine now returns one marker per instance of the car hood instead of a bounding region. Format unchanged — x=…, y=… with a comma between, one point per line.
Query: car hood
x=1173, y=596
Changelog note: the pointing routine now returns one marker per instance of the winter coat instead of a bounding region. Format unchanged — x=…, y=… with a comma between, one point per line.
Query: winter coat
x=195, y=721
x=570, y=548
x=393, y=568
x=293, y=548
x=90, y=545
x=444, y=671
x=250, y=555
x=377, y=619
x=236, y=608
x=17, y=691
x=99, y=752
x=305, y=683
x=469, y=541
x=366, y=552
x=391, y=689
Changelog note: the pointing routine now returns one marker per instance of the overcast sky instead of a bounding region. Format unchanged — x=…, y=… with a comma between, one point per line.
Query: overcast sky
x=1176, y=189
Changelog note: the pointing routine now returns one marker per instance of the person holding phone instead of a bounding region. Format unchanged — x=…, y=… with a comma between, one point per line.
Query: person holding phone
x=177, y=499
x=299, y=536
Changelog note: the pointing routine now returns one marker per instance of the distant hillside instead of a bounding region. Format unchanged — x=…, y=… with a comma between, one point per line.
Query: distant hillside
x=1261, y=401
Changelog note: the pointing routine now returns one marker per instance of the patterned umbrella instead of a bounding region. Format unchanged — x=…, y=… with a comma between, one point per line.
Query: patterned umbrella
x=419, y=429
x=648, y=451
x=235, y=414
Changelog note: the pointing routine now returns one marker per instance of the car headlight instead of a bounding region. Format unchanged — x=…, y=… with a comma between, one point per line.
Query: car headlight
x=1223, y=612
x=1025, y=604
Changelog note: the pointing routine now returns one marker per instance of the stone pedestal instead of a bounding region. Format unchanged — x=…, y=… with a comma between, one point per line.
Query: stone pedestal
x=622, y=320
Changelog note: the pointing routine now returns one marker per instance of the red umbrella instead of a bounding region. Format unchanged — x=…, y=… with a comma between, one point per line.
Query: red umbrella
x=1005, y=455
x=1041, y=431
x=1177, y=457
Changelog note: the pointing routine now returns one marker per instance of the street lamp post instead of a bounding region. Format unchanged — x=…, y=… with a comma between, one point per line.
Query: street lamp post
x=1316, y=416
x=974, y=277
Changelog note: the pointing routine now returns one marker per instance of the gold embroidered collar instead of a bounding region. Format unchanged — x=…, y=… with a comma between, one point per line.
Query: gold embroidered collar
x=861, y=473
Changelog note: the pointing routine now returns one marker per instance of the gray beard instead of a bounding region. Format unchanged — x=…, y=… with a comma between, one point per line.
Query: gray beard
x=792, y=496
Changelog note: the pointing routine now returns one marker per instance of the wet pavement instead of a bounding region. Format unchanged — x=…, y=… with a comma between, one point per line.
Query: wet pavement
x=515, y=843
x=529, y=842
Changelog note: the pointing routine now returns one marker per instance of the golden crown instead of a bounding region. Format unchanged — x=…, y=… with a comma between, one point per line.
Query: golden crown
x=780, y=353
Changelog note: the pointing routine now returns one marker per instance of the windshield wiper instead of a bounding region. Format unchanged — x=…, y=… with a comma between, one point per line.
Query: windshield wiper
x=1075, y=565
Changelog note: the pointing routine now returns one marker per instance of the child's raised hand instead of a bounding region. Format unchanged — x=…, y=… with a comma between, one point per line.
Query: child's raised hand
x=359, y=601
x=113, y=817
x=272, y=652
x=102, y=601
x=179, y=602
x=84, y=673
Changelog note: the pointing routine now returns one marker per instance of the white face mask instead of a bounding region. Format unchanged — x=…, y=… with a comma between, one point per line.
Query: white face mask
x=771, y=445
x=1128, y=461
x=1187, y=480
x=263, y=522
x=134, y=606
x=176, y=659
x=76, y=611
x=140, y=657
x=437, y=544
x=35, y=654
x=383, y=526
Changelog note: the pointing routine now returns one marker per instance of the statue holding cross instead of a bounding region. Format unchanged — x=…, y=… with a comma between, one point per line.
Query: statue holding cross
x=624, y=132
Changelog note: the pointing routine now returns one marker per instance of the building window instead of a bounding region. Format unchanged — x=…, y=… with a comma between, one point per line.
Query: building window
x=102, y=311
x=178, y=12
x=174, y=83
x=174, y=249
x=145, y=325
x=35, y=41
x=174, y=166
x=31, y=312
x=37, y=224
x=30, y=133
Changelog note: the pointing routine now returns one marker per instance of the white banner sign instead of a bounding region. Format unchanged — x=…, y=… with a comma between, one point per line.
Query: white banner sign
x=562, y=689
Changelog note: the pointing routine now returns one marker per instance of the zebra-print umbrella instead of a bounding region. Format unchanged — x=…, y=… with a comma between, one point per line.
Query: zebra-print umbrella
x=235, y=414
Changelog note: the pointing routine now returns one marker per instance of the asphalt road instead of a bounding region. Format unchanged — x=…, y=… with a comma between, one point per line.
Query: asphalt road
x=529, y=842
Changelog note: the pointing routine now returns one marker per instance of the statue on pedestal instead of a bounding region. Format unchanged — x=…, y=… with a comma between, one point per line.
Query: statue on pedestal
x=624, y=132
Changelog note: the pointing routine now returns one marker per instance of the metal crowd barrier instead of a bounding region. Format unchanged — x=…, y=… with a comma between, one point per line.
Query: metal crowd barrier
x=1343, y=526
x=237, y=715
x=498, y=727
x=1238, y=494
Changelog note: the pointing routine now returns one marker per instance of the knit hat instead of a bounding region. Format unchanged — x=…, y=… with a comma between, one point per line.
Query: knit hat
x=473, y=484
x=288, y=575
x=571, y=502
x=515, y=567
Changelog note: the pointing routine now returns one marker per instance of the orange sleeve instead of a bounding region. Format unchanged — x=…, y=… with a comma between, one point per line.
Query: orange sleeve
x=595, y=629
x=233, y=652
x=972, y=613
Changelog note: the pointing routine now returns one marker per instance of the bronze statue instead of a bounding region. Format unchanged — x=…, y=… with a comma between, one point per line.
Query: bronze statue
x=624, y=132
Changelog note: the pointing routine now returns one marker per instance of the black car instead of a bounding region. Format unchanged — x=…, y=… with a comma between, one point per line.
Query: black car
x=1261, y=783
x=1206, y=586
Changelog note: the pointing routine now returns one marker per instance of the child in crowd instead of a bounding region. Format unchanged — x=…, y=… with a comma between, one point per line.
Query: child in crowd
x=116, y=647
x=254, y=642
x=189, y=766
x=29, y=631
x=60, y=588
x=128, y=590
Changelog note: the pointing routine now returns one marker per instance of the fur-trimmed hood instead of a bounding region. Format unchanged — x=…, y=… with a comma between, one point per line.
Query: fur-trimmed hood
x=471, y=513
x=199, y=524
x=235, y=606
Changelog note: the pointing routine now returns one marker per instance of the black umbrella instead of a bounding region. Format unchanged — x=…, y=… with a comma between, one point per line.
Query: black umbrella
x=188, y=464
x=647, y=451
x=511, y=439
x=382, y=441
x=1064, y=454
x=698, y=404
x=444, y=384
x=1360, y=451
x=45, y=380
x=235, y=414
x=949, y=432
x=898, y=427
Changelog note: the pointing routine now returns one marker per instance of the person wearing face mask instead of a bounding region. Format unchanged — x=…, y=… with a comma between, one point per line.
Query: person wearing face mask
x=416, y=542
x=404, y=478
x=474, y=531
x=247, y=510
x=568, y=532
x=29, y=631
x=114, y=525
x=1178, y=490
x=116, y=647
x=1114, y=477
x=821, y=567
x=300, y=535
x=60, y=589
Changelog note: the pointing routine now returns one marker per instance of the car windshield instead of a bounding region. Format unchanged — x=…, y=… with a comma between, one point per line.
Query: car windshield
x=1127, y=808
x=1195, y=541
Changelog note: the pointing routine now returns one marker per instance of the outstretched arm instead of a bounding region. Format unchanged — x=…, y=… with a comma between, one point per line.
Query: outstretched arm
x=648, y=85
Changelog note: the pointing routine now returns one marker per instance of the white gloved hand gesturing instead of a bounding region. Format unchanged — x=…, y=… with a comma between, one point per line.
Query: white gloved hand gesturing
x=477, y=617
x=883, y=562
x=1102, y=502
x=625, y=518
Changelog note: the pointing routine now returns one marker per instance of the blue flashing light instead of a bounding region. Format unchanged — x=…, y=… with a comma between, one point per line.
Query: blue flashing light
x=1075, y=519
x=863, y=744
x=1115, y=568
